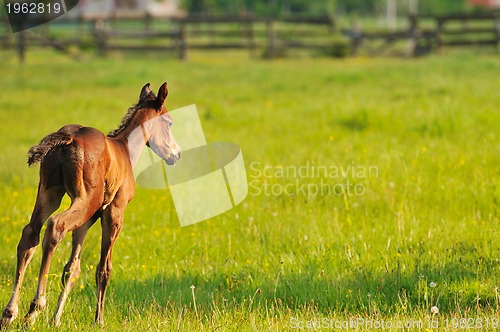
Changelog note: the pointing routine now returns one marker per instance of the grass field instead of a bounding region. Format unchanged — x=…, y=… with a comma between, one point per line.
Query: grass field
x=419, y=228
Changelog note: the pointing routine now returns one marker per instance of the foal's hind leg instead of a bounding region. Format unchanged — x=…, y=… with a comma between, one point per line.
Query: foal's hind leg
x=72, y=269
x=48, y=200
x=57, y=226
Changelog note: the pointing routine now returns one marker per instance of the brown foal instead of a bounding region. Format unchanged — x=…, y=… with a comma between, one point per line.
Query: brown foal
x=95, y=171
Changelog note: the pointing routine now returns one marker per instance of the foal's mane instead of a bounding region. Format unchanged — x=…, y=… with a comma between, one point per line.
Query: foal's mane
x=148, y=102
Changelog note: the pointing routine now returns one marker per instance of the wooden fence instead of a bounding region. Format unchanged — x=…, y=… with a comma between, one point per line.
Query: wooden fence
x=272, y=37
x=447, y=31
x=222, y=32
x=466, y=30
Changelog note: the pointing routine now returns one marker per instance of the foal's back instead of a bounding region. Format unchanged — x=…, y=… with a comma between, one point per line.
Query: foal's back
x=83, y=160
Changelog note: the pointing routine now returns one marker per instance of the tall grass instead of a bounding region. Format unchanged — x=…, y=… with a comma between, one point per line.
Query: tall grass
x=428, y=215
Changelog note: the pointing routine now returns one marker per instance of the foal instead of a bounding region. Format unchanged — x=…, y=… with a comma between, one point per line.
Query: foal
x=96, y=172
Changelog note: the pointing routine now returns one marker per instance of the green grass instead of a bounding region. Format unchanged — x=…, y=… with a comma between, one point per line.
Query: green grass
x=429, y=214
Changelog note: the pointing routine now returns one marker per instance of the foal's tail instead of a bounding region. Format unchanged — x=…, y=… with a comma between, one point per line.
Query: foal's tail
x=49, y=142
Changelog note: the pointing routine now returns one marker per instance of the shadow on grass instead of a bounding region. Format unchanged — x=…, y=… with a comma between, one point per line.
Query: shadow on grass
x=454, y=287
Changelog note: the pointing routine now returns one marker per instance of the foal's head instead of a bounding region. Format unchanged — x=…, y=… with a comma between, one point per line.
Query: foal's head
x=156, y=124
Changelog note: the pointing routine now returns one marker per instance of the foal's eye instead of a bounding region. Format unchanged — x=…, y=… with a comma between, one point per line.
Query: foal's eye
x=170, y=124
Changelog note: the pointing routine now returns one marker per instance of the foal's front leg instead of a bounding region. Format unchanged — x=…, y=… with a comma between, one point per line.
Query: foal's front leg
x=112, y=221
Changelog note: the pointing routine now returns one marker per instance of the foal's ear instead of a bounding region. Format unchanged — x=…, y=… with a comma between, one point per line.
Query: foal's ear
x=162, y=93
x=145, y=92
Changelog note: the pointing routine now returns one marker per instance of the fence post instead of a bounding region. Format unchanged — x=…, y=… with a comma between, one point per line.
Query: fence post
x=183, y=44
x=101, y=37
x=271, y=39
x=356, y=35
x=21, y=45
x=439, y=33
x=414, y=35
x=496, y=23
x=250, y=38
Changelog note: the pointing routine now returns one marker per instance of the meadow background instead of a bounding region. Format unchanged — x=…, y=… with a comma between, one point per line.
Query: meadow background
x=424, y=233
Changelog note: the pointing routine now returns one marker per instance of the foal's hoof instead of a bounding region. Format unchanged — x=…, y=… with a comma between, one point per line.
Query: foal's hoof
x=55, y=321
x=7, y=317
x=30, y=318
x=5, y=322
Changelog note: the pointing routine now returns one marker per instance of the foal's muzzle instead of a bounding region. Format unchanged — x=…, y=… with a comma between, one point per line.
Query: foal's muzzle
x=173, y=158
